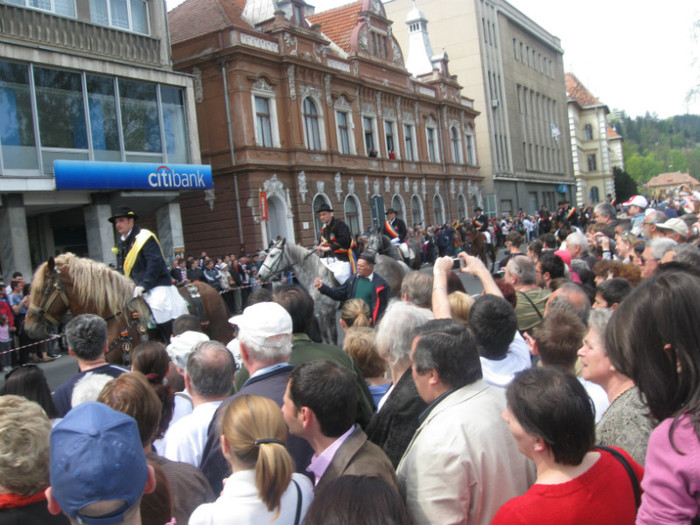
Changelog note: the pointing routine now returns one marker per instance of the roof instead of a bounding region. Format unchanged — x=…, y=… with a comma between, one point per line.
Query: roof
x=198, y=17
x=579, y=93
x=674, y=178
x=338, y=24
x=612, y=134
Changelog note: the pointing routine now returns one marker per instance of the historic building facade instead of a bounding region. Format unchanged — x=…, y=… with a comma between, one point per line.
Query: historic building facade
x=86, y=80
x=296, y=109
x=514, y=70
x=596, y=148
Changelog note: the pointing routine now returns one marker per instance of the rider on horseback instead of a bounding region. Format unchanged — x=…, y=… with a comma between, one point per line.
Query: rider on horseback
x=140, y=257
x=395, y=228
x=336, y=244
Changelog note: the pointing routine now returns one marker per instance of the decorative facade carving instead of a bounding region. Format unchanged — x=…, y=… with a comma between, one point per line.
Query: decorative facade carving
x=320, y=51
x=387, y=185
x=375, y=186
x=376, y=7
x=303, y=190
x=430, y=121
x=389, y=112
x=406, y=185
x=397, y=186
x=260, y=43
x=320, y=186
x=367, y=186
x=452, y=188
x=415, y=187
x=317, y=158
x=396, y=50
x=437, y=187
x=355, y=68
x=427, y=91
x=290, y=77
x=327, y=83
x=306, y=91
x=291, y=44
x=379, y=104
x=460, y=186
x=343, y=104
x=262, y=85
x=367, y=108
x=351, y=186
x=197, y=81
x=338, y=186
x=274, y=185
x=337, y=64
x=363, y=39
x=423, y=188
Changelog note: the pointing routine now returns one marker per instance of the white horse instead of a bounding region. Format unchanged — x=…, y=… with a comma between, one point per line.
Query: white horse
x=306, y=266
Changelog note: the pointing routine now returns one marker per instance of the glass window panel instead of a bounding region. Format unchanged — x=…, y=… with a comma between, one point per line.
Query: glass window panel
x=352, y=216
x=139, y=16
x=98, y=12
x=343, y=136
x=139, y=111
x=61, y=110
x=16, y=2
x=103, y=118
x=119, y=12
x=313, y=136
x=408, y=137
x=263, y=124
x=41, y=4
x=16, y=125
x=174, y=123
x=64, y=7
x=415, y=210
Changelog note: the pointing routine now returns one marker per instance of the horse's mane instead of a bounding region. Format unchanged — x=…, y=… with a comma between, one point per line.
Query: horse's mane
x=309, y=260
x=96, y=282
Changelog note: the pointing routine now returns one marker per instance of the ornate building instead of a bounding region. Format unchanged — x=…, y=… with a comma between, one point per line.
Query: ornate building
x=296, y=109
x=596, y=148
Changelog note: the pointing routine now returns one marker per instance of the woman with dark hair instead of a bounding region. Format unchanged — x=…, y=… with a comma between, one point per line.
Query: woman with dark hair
x=349, y=500
x=551, y=418
x=29, y=382
x=152, y=360
x=654, y=338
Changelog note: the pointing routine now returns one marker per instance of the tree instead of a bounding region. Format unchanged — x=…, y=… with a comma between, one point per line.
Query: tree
x=625, y=186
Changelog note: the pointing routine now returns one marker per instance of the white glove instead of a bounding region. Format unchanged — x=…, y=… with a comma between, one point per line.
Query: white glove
x=138, y=291
x=395, y=240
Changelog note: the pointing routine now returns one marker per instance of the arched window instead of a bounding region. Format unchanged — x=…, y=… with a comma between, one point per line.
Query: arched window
x=438, y=211
x=416, y=210
x=588, y=132
x=397, y=204
x=318, y=200
x=311, y=128
x=456, y=145
x=462, y=207
x=352, y=214
x=595, y=195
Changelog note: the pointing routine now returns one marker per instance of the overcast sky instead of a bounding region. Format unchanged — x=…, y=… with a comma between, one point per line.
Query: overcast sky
x=635, y=55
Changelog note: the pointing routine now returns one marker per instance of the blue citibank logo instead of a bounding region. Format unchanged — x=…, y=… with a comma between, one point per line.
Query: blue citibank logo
x=84, y=175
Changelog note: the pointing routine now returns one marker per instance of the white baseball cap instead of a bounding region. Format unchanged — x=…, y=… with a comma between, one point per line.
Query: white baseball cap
x=262, y=322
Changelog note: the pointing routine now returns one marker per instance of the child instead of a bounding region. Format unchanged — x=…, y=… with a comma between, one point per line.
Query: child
x=5, y=342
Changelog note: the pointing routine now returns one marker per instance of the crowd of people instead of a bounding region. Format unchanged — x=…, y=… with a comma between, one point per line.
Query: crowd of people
x=567, y=392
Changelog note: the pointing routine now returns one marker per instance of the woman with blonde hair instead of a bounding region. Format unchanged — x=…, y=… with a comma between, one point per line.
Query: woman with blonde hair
x=263, y=487
x=354, y=313
x=360, y=344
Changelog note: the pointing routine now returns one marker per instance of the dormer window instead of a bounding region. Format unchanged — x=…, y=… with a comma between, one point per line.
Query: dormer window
x=379, y=45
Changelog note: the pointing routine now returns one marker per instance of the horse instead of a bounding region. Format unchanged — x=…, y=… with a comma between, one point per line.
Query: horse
x=307, y=266
x=381, y=244
x=82, y=286
x=479, y=247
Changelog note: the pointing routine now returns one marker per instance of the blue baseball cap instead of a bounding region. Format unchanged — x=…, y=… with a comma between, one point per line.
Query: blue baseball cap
x=96, y=455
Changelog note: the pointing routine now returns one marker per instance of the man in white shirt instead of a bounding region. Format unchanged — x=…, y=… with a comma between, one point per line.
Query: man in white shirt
x=208, y=379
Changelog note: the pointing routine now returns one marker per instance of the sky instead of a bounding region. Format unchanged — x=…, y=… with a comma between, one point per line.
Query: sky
x=633, y=55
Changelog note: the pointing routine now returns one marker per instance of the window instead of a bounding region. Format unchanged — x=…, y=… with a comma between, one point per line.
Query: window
x=471, y=151
x=368, y=130
x=131, y=15
x=588, y=132
x=591, y=162
x=462, y=207
x=263, y=126
x=416, y=210
x=343, y=134
x=397, y=204
x=456, y=145
x=595, y=195
x=437, y=210
x=311, y=129
x=174, y=123
x=103, y=118
x=409, y=143
x=432, y=145
x=16, y=129
x=140, y=123
x=58, y=7
x=352, y=216
x=389, y=136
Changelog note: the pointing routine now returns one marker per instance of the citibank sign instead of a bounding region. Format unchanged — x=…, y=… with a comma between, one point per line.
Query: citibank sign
x=84, y=175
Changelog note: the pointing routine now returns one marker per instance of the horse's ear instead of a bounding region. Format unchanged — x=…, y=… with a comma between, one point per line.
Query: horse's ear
x=283, y=242
x=51, y=264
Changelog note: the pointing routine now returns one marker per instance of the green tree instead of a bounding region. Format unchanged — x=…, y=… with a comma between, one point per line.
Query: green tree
x=625, y=186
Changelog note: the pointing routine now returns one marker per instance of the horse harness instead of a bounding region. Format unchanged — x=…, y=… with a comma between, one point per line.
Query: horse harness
x=53, y=289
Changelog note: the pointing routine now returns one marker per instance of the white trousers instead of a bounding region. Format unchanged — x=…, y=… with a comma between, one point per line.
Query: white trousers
x=166, y=303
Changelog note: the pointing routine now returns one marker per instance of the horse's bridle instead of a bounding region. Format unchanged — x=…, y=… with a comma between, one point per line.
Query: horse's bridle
x=52, y=289
x=272, y=266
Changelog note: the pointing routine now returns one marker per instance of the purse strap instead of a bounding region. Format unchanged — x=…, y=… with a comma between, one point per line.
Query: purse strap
x=630, y=472
x=537, y=310
x=298, y=513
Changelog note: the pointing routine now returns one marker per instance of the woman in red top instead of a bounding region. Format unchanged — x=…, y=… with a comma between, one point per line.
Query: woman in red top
x=552, y=420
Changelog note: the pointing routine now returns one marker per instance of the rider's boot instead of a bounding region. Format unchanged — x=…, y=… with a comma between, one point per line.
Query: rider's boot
x=166, y=330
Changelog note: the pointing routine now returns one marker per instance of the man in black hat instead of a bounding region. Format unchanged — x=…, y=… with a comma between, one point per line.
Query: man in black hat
x=140, y=257
x=396, y=229
x=480, y=220
x=365, y=285
x=335, y=244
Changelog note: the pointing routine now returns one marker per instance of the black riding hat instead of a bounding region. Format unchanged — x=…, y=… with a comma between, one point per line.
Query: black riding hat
x=390, y=210
x=124, y=211
x=324, y=207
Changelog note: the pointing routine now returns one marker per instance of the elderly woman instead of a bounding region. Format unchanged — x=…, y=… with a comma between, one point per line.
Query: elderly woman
x=392, y=427
x=24, y=463
x=551, y=419
x=625, y=423
x=654, y=338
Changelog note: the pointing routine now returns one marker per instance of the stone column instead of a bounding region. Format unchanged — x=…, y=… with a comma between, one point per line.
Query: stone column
x=100, y=232
x=170, y=232
x=14, y=243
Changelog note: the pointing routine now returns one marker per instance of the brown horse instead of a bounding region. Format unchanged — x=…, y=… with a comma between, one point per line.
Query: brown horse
x=478, y=247
x=85, y=286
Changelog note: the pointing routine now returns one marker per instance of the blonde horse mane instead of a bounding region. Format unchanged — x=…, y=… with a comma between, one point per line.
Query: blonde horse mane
x=96, y=282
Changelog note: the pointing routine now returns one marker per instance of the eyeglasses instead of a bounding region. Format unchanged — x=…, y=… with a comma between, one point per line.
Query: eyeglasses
x=26, y=365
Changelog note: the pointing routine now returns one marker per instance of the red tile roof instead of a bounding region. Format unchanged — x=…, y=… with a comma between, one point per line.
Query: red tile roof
x=199, y=17
x=612, y=134
x=338, y=24
x=579, y=93
x=675, y=178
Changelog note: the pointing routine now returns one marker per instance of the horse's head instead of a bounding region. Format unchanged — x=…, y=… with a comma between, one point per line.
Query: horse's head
x=273, y=262
x=375, y=242
x=48, y=301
